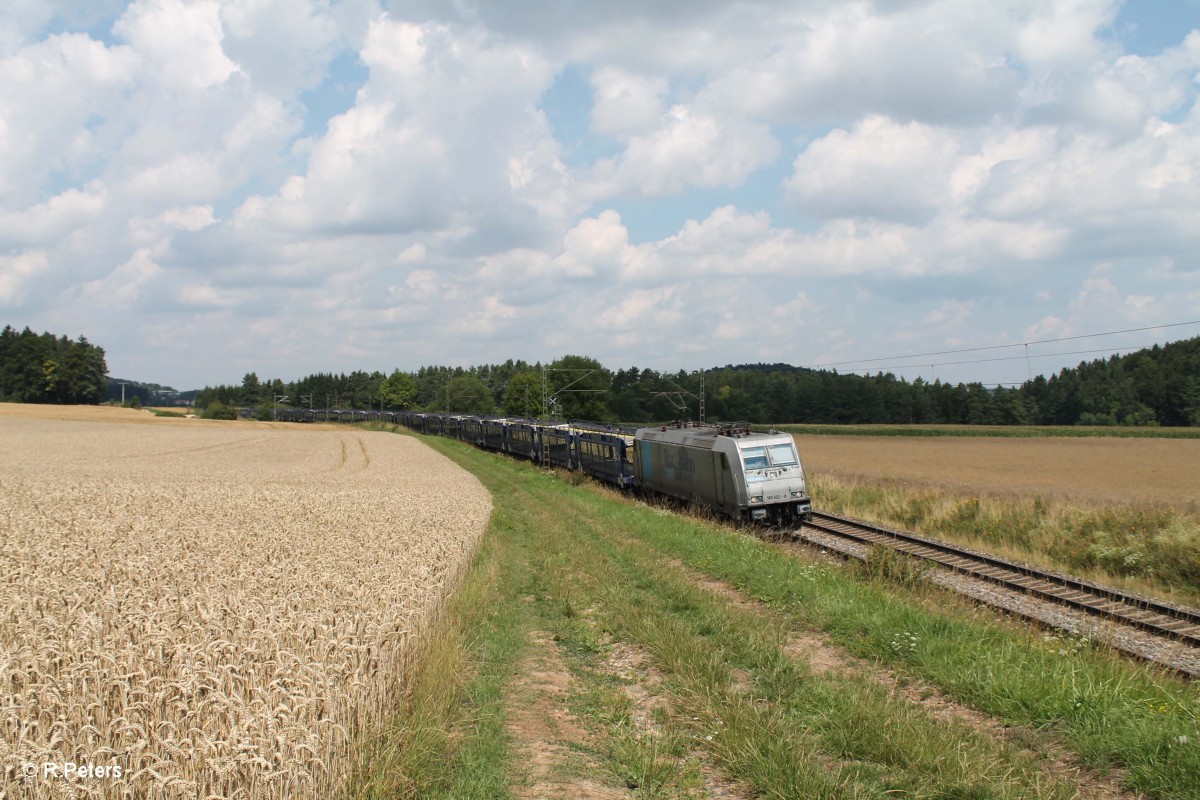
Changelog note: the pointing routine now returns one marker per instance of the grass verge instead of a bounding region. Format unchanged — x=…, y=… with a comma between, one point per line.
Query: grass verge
x=1145, y=548
x=449, y=739
x=596, y=568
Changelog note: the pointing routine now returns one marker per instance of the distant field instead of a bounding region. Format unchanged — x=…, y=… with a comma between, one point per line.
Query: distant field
x=148, y=416
x=1117, y=471
x=993, y=431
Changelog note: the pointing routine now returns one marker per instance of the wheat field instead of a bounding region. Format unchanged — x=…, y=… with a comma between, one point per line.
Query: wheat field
x=209, y=609
x=1109, y=470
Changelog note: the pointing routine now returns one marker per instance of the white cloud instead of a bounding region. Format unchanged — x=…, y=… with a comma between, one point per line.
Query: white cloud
x=688, y=149
x=191, y=218
x=15, y=272
x=595, y=246
x=881, y=169
x=488, y=318
x=936, y=62
x=966, y=244
x=411, y=154
x=281, y=45
x=734, y=243
x=53, y=92
x=642, y=315
x=413, y=254
x=46, y=223
x=192, y=177
x=1141, y=308
x=130, y=285
x=423, y=284
x=950, y=312
x=1137, y=195
x=155, y=234
x=398, y=47
x=1054, y=35
x=625, y=103
x=22, y=21
x=180, y=42
x=203, y=296
x=538, y=177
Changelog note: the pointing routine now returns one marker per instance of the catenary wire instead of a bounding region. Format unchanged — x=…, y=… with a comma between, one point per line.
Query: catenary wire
x=1002, y=346
x=1002, y=358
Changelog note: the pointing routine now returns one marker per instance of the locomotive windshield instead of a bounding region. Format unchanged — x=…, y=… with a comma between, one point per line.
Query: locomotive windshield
x=783, y=455
x=755, y=457
x=776, y=455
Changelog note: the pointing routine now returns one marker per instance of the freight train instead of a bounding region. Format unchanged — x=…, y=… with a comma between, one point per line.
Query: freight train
x=739, y=473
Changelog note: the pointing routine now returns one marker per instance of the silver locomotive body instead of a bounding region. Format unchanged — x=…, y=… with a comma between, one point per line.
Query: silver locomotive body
x=743, y=475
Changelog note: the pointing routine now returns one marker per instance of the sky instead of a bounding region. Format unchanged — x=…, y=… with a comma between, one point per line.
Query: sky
x=206, y=188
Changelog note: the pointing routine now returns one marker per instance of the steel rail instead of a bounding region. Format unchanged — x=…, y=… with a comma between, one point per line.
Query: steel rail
x=1162, y=619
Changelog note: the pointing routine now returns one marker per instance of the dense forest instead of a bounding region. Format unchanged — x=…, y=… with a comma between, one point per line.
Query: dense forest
x=1156, y=386
x=43, y=368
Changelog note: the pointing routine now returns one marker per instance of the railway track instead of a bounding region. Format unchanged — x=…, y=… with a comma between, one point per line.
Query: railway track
x=1160, y=619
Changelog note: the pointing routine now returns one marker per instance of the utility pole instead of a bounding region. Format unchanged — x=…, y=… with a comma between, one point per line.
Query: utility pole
x=677, y=399
x=552, y=399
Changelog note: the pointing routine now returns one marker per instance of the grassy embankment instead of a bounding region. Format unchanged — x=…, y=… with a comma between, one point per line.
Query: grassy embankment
x=591, y=568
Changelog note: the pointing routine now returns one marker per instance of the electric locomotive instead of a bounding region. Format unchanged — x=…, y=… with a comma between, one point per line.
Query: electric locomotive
x=729, y=468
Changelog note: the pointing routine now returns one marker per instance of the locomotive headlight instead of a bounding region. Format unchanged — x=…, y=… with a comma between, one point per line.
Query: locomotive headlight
x=756, y=499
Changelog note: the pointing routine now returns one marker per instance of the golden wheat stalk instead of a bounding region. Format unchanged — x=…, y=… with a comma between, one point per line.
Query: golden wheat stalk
x=219, y=611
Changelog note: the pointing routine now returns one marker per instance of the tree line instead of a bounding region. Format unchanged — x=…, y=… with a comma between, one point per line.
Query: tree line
x=1155, y=386
x=44, y=368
